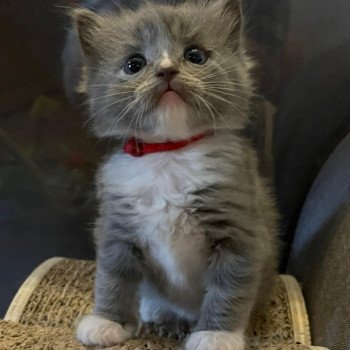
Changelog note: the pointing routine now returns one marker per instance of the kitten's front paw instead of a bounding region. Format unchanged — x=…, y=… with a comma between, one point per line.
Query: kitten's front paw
x=175, y=329
x=97, y=331
x=215, y=340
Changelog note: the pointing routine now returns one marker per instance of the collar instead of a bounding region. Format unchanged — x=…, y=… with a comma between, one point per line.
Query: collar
x=139, y=148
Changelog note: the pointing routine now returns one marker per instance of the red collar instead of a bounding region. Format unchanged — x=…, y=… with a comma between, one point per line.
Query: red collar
x=138, y=148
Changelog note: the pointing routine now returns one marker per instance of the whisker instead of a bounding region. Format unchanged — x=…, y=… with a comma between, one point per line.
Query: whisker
x=127, y=131
x=101, y=70
x=240, y=110
x=112, y=95
x=122, y=114
x=226, y=94
x=224, y=83
x=247, y=95
x=229, y=90
x=95, y=114
x=86, y=122
x=140, y=112
x=209, y=106
x=219, y=72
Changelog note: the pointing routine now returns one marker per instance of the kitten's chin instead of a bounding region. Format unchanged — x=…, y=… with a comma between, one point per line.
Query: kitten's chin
x=172, y=116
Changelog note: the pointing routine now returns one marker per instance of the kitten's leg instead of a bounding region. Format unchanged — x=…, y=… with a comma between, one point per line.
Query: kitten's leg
x=114, y=318
x=231, y=294
x=159, y=317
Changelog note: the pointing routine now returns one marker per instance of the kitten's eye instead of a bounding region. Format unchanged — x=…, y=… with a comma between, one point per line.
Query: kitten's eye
x=196, y=55
x=134, y=64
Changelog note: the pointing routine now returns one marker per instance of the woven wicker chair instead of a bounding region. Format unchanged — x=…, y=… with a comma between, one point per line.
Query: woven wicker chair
x=44, y=311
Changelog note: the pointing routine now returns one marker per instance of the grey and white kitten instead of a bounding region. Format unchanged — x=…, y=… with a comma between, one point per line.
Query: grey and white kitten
x=186, y=239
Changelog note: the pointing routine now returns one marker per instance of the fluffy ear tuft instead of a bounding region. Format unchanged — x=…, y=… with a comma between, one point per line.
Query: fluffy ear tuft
x=234, y=8
x=87, y=25
x=232, y=14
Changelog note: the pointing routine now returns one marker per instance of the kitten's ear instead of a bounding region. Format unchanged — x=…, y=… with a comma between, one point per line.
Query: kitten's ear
x=234, y=9
x=88, y=25
x=232, y=15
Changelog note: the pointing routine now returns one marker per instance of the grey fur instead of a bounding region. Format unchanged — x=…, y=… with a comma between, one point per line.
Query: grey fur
x=228, y=201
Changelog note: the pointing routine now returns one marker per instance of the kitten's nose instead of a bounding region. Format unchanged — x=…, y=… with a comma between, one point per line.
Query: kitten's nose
x=167, y=73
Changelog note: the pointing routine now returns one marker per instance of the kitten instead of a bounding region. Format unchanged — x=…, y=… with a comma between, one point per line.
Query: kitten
x=186, y=234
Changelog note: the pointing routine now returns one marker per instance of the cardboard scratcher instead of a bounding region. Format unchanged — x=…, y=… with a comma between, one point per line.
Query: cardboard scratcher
x=43, y=313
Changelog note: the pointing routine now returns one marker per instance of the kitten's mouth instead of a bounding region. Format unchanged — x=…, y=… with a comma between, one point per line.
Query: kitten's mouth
x=170, y=97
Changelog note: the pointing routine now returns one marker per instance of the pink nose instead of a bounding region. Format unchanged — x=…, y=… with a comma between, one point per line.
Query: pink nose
x=167, y=73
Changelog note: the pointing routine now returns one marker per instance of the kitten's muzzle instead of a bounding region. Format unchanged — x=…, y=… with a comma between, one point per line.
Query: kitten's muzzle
x=169, y=86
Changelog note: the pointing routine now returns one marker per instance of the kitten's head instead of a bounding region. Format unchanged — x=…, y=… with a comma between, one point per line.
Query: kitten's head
x=165, y=71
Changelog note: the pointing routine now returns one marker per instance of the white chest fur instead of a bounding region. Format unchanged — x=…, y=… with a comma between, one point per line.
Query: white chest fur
x=160, y=187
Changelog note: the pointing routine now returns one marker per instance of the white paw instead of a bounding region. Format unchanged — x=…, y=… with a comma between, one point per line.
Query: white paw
x=97, y=331
x=215, y=340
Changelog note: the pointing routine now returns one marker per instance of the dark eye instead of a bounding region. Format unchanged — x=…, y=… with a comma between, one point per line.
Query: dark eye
x=134, y=64
x=196, y=55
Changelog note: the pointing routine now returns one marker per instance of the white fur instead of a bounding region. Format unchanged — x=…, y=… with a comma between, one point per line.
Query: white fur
x=174, y=250
x=157, y=309
x=152, y=309
x=97, y=331
x=215, y=340
x=159, y=186
x=166, y=62
x=173, y=121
